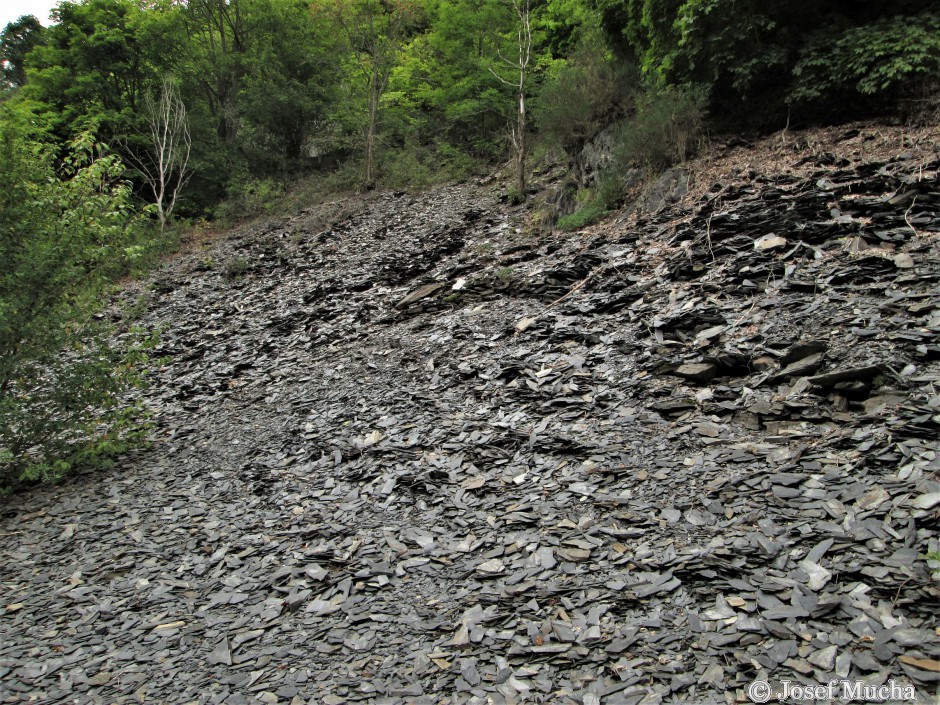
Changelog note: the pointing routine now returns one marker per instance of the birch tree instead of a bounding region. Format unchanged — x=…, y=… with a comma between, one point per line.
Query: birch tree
x=519, y=68
x=165, y=164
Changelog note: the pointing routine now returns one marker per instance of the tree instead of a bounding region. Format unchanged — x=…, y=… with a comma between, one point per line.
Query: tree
x=759, y=58
x=291, y=80
x=445, y=78
x=92, y=68
x=217, y=43
x=520, y=69
x=17, y=40
x=375, y=31
x=165, y=166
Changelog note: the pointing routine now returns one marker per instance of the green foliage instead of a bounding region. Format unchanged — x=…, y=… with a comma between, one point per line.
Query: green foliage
x=613, y=183
x=584, y=95
x=91, y=68
x=375, y=32
x=733, y=46
x=248, y=197
x=666, y=128
x=414, y=91
x=62, y=237
x=588, y=215
x=417, y=166
x=16, y=41
x=236, y=267
x=887, y=57
x=933, y=563
x=756, y=56
x=291, y=81
x=444, y=81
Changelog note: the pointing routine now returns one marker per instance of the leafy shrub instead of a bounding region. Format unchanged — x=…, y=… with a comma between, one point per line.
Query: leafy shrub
x=403, y=168
x=667, y=128
x=454, y=162
x=884, y=59
x=247, y=197
x=236, y=267
x=583, y=96
x=418, y=166
x=616, y=182
x=63, y=236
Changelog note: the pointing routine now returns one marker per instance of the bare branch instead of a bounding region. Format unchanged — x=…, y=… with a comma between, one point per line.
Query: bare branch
x=166, y=169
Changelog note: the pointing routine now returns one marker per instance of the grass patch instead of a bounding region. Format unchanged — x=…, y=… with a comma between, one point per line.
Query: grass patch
x=588, y=215
x=236, y=268
x=505, y=274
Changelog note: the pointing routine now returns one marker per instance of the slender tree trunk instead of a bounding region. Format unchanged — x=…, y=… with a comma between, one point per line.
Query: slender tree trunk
x=520, y=140
x=517, y=131
x=374, y=95
x=525, y=53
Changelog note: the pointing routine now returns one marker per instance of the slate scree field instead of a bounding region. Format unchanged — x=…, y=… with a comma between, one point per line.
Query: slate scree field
x=408, y=451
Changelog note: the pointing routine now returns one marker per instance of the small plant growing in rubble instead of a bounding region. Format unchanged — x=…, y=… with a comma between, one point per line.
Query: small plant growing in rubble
x=236, y=267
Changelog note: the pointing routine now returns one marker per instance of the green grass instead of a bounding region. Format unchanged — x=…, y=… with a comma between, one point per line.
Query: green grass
x=582, y=217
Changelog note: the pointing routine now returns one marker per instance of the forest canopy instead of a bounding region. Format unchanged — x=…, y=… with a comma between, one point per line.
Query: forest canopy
x=280, y=87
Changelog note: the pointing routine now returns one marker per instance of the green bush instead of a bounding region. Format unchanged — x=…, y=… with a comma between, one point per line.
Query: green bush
x=64, y=234
x=248, y=197
x=583, y=96
x=236, y=267
x=403, y=168
x=667, y=127
x=417, y=166
x=877, y=62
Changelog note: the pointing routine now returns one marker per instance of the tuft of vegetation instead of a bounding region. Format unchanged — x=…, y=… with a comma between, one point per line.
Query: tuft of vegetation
x=581, y=218
x=236, y=267
x=933, y=562
x=506, y=275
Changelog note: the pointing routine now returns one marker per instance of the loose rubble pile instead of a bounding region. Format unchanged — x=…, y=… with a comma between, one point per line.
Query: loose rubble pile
x=417, y=455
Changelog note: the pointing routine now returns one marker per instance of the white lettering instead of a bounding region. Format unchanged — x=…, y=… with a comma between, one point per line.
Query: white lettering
x=851, y=690
x=835, y=690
